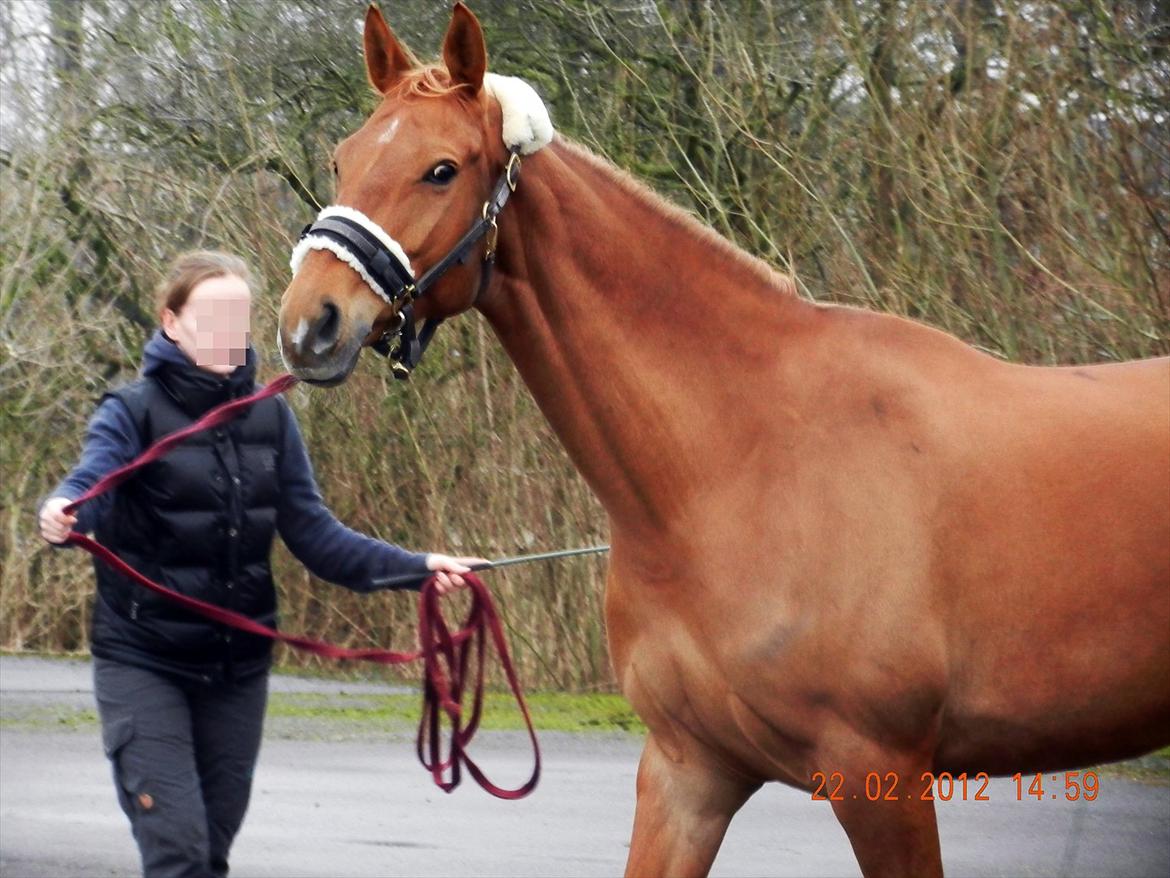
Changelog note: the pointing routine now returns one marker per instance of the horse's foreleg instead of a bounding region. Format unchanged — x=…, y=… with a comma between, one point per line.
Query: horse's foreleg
x=684, y=807
x=889, y=822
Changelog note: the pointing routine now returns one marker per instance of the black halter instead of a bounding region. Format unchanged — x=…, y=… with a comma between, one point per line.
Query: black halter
x=399, y=284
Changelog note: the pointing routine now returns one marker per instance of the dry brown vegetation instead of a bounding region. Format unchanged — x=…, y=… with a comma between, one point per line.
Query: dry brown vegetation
x=997, y=169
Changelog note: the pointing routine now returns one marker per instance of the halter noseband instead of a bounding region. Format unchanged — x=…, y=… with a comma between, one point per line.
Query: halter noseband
x=380, y=261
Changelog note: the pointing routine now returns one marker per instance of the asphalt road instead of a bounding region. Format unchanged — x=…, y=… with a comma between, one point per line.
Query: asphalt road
x=337, y=805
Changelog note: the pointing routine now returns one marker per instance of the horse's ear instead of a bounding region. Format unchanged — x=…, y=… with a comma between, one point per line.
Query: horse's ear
x=386, y=58
x=464, y=51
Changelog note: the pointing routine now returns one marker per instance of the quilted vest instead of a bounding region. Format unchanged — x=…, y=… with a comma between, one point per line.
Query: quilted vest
x=200, y=521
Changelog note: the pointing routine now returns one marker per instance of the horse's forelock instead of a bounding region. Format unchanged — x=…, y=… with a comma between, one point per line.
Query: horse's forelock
x=432, y=81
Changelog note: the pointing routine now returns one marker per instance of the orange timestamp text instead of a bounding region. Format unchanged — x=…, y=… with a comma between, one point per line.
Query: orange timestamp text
x=944, y=786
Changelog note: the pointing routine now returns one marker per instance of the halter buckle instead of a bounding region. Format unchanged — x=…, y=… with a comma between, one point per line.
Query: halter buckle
x=492, y=234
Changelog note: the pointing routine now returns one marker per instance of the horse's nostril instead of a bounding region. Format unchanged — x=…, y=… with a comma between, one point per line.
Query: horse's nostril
x=323, y=335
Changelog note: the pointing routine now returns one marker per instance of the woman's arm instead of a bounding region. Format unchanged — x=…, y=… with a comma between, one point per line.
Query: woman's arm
x=327, y=547
x=111, y=440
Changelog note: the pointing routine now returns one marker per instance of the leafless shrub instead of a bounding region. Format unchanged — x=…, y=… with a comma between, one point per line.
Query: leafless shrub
x=997, y=169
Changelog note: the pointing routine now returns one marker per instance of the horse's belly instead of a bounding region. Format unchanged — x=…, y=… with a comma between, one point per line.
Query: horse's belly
x=1001, y=745
x=1090, y=687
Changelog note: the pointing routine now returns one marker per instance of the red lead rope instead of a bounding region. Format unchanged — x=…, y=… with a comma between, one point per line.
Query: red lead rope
x=445, y=654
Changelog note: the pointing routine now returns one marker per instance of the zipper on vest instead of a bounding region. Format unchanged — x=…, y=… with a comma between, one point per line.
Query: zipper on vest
x=134, y=610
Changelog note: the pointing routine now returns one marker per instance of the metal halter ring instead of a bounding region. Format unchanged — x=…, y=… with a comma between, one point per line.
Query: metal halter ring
x=512, y=171
x=399, y=322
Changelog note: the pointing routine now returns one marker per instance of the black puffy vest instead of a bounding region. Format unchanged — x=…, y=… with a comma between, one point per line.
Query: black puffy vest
x=200, y=521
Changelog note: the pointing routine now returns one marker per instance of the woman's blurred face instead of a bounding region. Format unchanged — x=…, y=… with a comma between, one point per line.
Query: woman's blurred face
x=214, y=327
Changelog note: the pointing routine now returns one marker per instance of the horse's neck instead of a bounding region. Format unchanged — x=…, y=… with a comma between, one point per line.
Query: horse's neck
x=634, y=329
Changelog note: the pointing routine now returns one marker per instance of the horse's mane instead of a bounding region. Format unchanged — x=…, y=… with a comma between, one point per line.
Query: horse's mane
x=679, y=217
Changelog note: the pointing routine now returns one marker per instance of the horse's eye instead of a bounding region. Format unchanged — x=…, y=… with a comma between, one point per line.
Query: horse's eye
x=336, y=173
x=441, y=174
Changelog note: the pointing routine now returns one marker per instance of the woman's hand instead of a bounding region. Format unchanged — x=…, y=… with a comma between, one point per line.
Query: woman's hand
x=447, y=570
x=55, y=524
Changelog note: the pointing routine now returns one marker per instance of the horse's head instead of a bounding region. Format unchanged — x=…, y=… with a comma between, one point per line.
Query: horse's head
x=410, y=183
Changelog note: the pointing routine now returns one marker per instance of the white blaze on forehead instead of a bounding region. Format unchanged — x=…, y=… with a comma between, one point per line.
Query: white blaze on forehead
x=391, y=129
x=526, y=121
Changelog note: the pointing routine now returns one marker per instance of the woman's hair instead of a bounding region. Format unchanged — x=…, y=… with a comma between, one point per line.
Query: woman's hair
x=192, y=268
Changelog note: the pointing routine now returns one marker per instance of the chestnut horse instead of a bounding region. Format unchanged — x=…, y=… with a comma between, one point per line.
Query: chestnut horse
x=843, y=542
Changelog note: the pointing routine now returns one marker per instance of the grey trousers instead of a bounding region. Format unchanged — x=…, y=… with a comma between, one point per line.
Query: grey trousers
x=182, y=753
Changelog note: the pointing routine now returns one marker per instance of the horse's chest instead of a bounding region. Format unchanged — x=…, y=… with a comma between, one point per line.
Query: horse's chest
x=728, y=695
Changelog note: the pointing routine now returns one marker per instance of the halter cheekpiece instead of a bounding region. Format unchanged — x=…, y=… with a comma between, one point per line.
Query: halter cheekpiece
x=381, y=262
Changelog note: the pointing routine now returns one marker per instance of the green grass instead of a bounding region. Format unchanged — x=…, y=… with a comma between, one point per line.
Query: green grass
x=357, y=714
x=551, y=711
x=1153, y=767
x=45, y=719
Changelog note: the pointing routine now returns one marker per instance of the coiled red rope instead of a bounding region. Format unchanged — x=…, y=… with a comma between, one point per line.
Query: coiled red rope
x=446, y=654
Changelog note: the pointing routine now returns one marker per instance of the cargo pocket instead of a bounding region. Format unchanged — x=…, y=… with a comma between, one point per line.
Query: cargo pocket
x=116, y=734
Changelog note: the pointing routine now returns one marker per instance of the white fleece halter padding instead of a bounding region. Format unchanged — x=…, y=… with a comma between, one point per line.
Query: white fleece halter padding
x=320, y=242
x=526, y=121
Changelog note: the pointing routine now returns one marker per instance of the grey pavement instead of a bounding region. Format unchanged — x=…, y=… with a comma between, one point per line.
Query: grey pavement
x=364, y=807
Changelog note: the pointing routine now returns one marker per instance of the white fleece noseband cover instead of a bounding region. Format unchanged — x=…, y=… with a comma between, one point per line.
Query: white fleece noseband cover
x=320, y=242
x=526, y=128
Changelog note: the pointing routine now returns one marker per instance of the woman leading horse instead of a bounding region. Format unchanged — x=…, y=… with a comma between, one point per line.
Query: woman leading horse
x=843, y=542
x=182, y=699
